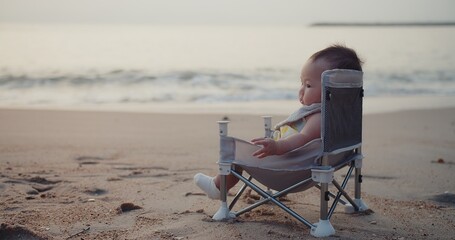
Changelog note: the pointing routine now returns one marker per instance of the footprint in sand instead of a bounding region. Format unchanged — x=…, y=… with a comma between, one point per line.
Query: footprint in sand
x=38, y=184
x=143, y=172
x=41, y=180
x=8, y=231
x=42, y=184
x=41, y=188
x=95, y=191
x=88, y=160
x=447, y=198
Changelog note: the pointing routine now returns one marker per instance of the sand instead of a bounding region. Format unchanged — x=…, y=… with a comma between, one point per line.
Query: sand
x=114, y=175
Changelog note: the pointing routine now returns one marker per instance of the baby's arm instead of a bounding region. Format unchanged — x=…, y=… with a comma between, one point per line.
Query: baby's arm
x=310, y=131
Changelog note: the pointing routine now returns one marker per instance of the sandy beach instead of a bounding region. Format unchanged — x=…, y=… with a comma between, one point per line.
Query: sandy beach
x=118, y=175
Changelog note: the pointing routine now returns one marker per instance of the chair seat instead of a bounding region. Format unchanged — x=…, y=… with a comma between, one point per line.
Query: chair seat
x=283, y=171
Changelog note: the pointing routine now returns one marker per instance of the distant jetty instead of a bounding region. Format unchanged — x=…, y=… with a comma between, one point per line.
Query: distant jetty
x=383, y=24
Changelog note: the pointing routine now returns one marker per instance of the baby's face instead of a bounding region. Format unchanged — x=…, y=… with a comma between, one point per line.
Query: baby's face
x=310, y=90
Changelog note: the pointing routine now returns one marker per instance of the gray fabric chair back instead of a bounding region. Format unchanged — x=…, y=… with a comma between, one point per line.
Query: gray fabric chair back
x=342, y=95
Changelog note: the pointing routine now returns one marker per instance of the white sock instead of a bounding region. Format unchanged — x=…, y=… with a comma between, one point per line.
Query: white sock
x=207, y=184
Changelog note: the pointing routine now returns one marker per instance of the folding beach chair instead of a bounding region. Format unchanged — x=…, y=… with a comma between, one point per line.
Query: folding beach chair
x=312, y=165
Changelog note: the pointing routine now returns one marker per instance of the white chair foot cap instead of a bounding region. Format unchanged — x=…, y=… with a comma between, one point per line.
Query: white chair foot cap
x=223, y=213
x=348, y=208
x=322, y=229
x=361, y=204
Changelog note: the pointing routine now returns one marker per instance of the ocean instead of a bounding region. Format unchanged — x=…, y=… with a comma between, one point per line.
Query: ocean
x=124, y=65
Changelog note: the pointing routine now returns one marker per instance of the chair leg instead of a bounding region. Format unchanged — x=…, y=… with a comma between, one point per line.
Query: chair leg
x=324, y=201
x=357, y=191
x=358, y=182
x=223, y=212
x=323, y=228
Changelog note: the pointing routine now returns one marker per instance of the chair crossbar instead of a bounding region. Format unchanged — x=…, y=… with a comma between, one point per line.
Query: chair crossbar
x=332, y=195
x=276, y=195
x=342, y=192
x=239, y=193
x=267, y=197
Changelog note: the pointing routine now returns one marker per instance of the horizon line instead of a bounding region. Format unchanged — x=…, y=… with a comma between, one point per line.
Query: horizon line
x=381, y=24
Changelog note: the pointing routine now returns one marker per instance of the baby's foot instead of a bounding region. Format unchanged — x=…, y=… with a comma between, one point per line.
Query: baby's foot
x=207, y=185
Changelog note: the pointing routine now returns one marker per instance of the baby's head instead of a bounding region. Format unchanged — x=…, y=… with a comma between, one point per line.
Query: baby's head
x=338, y=57
x=333, y=57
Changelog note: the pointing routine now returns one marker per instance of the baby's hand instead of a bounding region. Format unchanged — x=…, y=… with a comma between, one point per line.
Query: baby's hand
x=269, y=147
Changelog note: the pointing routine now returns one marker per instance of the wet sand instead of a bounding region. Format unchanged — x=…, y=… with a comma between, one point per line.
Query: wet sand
x=114, y=175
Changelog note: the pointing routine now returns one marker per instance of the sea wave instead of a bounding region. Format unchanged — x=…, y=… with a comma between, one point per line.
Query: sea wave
x=140, y=86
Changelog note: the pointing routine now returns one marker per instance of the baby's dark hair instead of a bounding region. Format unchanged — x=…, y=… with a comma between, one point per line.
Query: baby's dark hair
x=339, y=57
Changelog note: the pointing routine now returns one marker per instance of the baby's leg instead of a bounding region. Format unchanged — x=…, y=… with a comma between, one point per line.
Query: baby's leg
x=230, y=181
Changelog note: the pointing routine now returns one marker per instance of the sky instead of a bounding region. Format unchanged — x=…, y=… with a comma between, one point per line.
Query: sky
x=254, y=12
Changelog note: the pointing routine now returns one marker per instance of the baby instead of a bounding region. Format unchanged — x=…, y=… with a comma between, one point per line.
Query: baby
x=295, y=133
